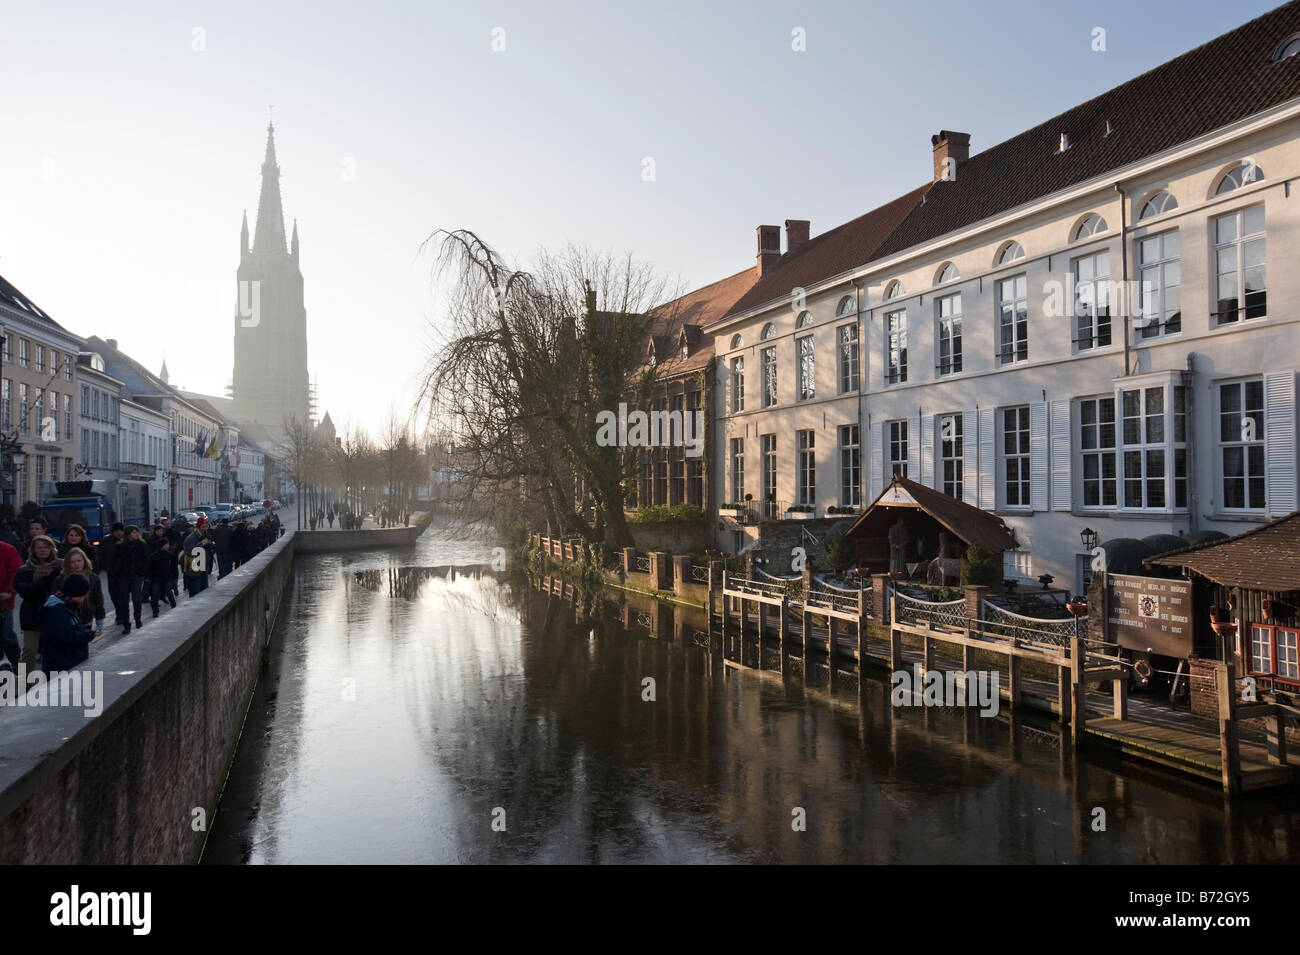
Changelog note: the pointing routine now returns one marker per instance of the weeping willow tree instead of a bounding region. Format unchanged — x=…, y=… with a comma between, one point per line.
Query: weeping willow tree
x=527, y=361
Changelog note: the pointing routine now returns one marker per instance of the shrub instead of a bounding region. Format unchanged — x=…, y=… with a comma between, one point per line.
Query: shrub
x=667, y=514
x=980, y=567
x=800, y=508
x=841, y=554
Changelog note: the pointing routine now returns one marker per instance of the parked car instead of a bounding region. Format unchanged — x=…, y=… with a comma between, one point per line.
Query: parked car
x=221, y=512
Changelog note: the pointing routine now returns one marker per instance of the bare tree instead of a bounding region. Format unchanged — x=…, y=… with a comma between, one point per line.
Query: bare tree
x=301, y=452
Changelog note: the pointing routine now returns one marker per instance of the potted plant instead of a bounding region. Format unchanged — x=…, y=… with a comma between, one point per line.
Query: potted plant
x=800, y=512
x=1077, y=607
x=1222, y=622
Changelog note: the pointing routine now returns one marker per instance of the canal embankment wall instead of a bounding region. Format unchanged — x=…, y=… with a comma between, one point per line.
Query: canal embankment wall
x=139, y=781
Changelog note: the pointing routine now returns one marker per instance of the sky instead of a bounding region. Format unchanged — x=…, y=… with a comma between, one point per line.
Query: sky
x=131, y=142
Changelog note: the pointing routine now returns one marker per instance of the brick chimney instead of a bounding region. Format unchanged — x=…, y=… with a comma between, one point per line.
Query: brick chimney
x=769, y=247
x=796, y=233
x=949, y=145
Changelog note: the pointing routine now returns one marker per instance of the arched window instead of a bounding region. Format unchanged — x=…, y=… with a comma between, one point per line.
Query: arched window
x=893, y=289
x=1091, y=225
x=1010, y=252
x=848, y=306
x=1157, y=205
x=1289, y=48
x=1242, y=174
x=947, y=273
x=769, y=330
x=736, y=341
x=803, y=321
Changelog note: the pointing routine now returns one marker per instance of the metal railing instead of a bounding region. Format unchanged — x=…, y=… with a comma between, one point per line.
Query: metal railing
x=1053, y=632
x=948, y=613
x=699, y=574
x=640, y=565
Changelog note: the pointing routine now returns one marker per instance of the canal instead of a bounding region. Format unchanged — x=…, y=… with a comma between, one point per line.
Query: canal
x=414, y=715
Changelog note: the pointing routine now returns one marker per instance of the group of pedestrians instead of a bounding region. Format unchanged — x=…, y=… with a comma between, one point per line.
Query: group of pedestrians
x=63, y=585
x=348, y=521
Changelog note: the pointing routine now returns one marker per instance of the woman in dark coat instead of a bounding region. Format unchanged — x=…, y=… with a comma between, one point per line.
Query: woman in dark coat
x=131, y=568
x=75, y=536
x=91, y=609
x=34, y=583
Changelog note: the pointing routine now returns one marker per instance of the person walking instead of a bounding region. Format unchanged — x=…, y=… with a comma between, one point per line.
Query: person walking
x=64, y=639
x=222, y=541
x=10, y=561
x=107, y=552
x=162, y=575
x=131, y=564
x=34, y=583
x=331, y=518
x=75, y=536
x=90, y=610
x=175, y=539
x=239, y=544
x=36, y=527
x=195, y=558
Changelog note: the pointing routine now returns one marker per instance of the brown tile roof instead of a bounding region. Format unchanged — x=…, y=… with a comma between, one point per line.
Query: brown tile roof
x=832, y=253
x=1264, y=558
x=1227, y=79
x=973, y=525
x=693, y=311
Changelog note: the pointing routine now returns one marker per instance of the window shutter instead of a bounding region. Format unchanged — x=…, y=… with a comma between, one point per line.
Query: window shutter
x=914, y=439
x=1061, y=484
x=1280, y=443
x=969, y=463
x=988, y=471
x=877, y=452
x=1038, y=455
x=926, y=437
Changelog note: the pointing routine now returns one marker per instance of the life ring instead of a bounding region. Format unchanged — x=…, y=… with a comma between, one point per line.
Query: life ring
x=1142, y=670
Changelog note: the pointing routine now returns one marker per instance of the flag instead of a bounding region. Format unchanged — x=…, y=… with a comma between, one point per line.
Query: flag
x=200, y=445
x=214, y=449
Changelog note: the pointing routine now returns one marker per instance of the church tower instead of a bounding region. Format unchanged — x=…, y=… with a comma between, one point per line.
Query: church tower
x=270, y=381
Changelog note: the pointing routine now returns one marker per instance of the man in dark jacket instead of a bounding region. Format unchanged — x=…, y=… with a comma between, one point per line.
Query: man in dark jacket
x=35, y=528
x=223, y=541
x=131, y=564
x=175, y=537
x=64, y=639
x=33, y=583
x=162, y=575
x=107, y=553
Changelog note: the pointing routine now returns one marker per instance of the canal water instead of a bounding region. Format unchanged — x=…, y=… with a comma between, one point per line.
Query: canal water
x=414, y=714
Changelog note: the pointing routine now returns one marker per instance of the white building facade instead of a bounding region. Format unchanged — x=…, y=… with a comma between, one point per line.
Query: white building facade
x=144, y=441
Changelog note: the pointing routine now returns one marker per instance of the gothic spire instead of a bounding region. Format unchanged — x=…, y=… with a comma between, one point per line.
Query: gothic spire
x=293, y=242
x=270, y=213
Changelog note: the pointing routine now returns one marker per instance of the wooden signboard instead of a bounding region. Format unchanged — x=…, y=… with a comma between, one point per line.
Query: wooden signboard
x=1150, y=613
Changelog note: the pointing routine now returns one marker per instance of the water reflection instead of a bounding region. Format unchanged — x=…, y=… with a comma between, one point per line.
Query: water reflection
x=476, y=693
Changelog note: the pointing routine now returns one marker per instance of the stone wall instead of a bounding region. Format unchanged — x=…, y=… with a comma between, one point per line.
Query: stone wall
x=677, y=537
x=310, y=542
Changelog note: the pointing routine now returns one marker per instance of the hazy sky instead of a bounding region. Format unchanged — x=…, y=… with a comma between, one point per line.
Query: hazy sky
x=131, y=142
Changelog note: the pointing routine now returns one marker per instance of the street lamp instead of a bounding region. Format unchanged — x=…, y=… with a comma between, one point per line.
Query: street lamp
x=1089, y=538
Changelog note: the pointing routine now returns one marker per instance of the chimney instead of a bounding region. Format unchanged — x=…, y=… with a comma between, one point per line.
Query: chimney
x=949, y=146
x=112, y=343
x=796, y=233
x=769, y=247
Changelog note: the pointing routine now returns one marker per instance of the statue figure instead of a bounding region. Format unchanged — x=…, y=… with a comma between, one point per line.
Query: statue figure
x=899, y=538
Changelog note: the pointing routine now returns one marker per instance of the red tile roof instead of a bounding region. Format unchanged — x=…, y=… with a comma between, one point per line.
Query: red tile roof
x=1264, y=558
x=695, y=309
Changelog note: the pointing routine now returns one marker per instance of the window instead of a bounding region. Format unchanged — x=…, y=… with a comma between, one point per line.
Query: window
x=1242, y=174
x=85, y=446
x=1157, y=205
x=850, y=466
x=1159, y=294
x=1010, y=252
x=898, y=448
x=40, y=473
x=23, y=345
x=40, y=358
x=737, y=384
x=947, y=273
x=1273, y=651
x=951, y=449
x=54, y=468
x=1144, y=451
x=849, y=358
x=85, y=400
x=768, y=447
x=1013, y=320
x=948, y=315
x=1090, y=226
x=769, y=330
x=807, y=368
x=736, y=341
x=94, y=404
x=1288, y=49
x=1241, y=441
x=769, y=376
x=848, y=306
x=738, y=470
x=893, y=290
x=67, y=369
x=6, y=404
x=896, y=346
x=807, y=467
x=695, y=482
x=1015, y=456
x=1239, y=265
x=1097, y=442
x=803, y=321
x=8, y=349
x=1092, y=305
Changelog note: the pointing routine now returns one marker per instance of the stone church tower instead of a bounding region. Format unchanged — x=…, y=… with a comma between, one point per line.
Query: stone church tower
x=270, y=381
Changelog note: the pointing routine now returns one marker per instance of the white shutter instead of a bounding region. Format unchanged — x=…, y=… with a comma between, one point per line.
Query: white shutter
x=988, y=496
x=877, y=453
x=1038, y=455
x=970, y=458
x=1061, y=484
x=1280, y=443
x=926, y=437
x=914, y=439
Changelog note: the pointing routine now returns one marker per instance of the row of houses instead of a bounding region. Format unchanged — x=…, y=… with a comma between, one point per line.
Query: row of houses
x=74, y=408
x=1090, y=326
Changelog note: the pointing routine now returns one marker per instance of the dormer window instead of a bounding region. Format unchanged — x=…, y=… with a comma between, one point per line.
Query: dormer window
x=1288, y=49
